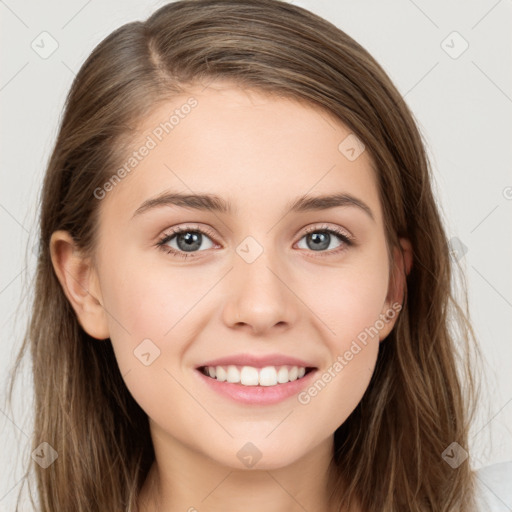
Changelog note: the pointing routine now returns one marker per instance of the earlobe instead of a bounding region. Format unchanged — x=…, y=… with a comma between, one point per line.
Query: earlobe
x=402, y=264
x=406, y=255
x=80, y=284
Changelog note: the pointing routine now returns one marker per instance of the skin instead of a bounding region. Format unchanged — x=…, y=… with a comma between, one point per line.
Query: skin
x=260, y=152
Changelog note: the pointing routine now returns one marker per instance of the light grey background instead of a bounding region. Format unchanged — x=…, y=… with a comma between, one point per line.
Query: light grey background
x=462, y=103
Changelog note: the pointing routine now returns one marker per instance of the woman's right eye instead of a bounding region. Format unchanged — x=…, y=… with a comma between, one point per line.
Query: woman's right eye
x=185, y=240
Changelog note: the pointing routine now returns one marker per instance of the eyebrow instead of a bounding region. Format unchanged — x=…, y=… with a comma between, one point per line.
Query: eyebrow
x=214, y=203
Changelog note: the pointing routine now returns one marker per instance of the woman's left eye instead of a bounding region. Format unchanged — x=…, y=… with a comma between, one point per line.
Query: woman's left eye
x=183, y=242
x=319, y=239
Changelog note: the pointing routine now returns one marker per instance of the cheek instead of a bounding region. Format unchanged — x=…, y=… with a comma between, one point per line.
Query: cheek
x=150, y=312
x=352, y=350
x=349, y=305
x=149, y=303
x=349, y=299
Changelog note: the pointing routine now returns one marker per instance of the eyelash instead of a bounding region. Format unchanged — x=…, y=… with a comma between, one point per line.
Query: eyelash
x=346, y=239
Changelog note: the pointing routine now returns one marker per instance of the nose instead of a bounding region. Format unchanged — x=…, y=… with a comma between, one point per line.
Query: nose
x=259, y=297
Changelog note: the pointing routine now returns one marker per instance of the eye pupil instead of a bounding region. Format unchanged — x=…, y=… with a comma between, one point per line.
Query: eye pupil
x=191, y=240
x=322, y=238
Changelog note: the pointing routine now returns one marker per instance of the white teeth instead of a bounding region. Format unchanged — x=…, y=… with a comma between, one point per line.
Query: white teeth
x=282, y=375
x=250, y=376
x=233, y=374
x=220, y=373
x=268, y=376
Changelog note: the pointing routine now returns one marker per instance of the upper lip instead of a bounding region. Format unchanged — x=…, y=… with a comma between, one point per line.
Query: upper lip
x=257, y=361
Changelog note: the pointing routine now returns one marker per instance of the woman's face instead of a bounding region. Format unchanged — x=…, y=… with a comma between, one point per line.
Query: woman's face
x=264, y=275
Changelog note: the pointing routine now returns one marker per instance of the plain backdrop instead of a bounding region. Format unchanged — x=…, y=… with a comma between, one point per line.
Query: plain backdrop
x=451, y=61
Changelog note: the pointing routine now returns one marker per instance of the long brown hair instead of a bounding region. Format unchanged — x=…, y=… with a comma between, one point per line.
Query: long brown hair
x=388, y=453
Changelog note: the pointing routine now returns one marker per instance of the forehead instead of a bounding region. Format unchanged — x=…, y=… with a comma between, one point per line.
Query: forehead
x=257, y=150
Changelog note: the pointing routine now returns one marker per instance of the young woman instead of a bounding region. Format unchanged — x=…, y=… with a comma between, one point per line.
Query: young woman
x=243, y=296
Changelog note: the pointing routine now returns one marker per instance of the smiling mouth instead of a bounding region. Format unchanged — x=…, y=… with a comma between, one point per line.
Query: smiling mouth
x=251, y=376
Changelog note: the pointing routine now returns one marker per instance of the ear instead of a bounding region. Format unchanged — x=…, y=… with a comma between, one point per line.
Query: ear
x=401, y=266
x=80, y=284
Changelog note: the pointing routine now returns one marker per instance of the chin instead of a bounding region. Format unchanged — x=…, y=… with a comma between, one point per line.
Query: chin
x=262, y=454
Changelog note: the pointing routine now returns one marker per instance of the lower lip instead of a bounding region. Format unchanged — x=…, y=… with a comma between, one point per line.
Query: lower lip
x=258, y=395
